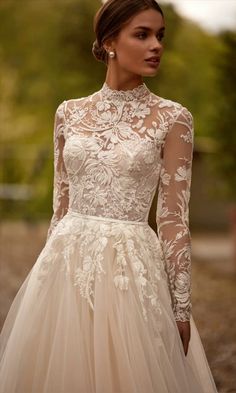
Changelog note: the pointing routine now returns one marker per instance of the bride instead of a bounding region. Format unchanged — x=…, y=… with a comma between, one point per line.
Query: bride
x=106, y=307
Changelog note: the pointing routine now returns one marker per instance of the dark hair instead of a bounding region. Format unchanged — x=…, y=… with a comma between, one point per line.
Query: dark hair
x=110, y=19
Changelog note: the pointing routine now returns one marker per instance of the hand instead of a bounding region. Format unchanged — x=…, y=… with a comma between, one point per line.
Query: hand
x=185, y=333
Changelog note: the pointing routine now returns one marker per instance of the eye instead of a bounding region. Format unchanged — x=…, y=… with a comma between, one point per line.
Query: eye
x=141, y=35
x=160, y=36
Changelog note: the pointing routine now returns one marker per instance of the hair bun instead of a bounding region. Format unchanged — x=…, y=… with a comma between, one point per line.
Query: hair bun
x=99, y=52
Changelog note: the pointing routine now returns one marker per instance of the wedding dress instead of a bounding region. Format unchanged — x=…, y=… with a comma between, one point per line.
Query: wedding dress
x=97, y=312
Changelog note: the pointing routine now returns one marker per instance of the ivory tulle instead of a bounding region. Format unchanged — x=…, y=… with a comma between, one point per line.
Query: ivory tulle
x=94, y=316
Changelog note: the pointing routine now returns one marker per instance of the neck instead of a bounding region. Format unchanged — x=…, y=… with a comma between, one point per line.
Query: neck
x=119, y=81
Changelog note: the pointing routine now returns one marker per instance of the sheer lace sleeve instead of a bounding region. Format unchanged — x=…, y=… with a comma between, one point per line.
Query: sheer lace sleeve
x=61, y=185
x=173, y=211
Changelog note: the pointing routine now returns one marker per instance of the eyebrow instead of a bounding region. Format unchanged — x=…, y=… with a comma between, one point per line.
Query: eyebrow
x=148, y=28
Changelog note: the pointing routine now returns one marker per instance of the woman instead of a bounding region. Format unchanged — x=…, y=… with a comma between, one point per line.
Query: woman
x=106, y=307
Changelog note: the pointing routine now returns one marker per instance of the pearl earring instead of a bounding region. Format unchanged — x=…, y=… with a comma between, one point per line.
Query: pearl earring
x=111, y=54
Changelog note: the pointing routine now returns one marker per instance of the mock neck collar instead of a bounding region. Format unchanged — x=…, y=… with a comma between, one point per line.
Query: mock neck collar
x=126, y=95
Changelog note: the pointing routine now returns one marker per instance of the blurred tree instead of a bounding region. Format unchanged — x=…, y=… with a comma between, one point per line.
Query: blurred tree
x=223, y=161
x=45, y=58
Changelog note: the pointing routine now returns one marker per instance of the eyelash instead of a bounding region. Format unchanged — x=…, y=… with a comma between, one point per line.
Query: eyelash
x=161, y=36
x=144, y=35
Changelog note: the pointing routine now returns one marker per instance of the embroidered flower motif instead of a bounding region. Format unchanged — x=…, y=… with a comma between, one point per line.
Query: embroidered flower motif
x=107, y=117
x=98, y=197
x=109, y=159
x=187, y=137
x=117, y=133
x=148, y=157
x=103, y=106
x=165, y=177
x=121, y=282
x=141, y=110
x=181, y=174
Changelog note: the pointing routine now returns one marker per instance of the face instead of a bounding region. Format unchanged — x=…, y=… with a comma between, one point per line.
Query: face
x=139, y=45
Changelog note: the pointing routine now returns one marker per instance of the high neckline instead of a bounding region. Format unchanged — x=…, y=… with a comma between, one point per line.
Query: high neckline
x=127, y=95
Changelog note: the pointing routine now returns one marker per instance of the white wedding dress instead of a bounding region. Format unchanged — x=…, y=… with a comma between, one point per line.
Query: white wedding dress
x=97, y=312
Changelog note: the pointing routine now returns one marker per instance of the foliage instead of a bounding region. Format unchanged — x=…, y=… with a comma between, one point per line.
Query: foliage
x=223, y=162
x=45, y=58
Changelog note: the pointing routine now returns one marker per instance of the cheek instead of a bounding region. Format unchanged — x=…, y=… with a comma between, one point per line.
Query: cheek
x=129, y=51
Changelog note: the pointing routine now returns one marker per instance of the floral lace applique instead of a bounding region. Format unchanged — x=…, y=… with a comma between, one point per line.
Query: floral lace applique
x=113, y=149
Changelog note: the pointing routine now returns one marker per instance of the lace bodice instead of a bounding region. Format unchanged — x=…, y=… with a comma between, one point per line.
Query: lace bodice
x=112, y=150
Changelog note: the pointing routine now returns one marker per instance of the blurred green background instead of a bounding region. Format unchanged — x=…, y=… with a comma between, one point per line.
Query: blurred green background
x=45, y=58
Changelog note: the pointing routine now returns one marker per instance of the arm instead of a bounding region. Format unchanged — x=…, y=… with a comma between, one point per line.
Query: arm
x=61, y=184
x=172, y=215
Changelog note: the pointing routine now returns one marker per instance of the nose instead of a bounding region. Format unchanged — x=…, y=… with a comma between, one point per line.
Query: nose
x=156, y=45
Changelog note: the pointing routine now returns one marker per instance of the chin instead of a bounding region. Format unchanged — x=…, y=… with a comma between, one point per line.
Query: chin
x=150, y=73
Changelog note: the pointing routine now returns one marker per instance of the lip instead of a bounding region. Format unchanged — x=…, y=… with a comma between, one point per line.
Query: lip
x=153, y=61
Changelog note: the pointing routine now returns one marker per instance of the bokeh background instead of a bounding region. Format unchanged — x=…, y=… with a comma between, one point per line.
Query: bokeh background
x=46, y=58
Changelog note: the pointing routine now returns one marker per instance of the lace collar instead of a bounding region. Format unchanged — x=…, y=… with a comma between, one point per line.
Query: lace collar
x=124, y=95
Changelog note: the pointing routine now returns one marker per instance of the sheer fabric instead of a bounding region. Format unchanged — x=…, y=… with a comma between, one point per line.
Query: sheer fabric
x=97, y=312
x=61, y=181
x=113, y=161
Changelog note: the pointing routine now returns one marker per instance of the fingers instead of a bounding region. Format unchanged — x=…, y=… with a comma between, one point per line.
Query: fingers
x=184, y=331
x=184, y=342
x=185, y=345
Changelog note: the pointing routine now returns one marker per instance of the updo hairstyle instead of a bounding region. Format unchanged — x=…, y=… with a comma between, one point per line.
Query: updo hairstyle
x=110, y=19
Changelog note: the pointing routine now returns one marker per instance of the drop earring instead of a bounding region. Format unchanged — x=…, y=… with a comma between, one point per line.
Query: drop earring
x=111, y=54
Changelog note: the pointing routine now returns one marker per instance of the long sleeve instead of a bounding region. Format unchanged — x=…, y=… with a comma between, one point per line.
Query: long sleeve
x=172, y=215
x=60, y=183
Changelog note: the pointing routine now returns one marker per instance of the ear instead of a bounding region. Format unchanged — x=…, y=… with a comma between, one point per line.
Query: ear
x=109, y=44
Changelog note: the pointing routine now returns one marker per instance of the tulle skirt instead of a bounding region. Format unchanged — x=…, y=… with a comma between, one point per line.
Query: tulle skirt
x=94, y=316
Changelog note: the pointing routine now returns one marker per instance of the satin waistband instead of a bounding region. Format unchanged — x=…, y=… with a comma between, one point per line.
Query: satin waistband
x=105, y=219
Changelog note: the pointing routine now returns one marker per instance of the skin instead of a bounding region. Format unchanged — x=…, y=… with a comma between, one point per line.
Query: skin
x=132, y=46
x=140, y=39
